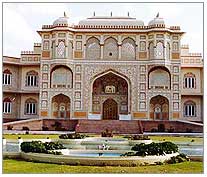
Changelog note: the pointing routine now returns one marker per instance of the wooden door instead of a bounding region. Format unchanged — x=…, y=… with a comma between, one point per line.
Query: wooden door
x=110, y=110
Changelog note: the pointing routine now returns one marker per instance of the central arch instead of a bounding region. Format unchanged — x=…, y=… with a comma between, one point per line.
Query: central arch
x=110, y=110
x=114, y=89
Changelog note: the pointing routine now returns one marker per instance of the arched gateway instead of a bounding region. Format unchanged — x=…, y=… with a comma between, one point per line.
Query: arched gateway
x=110, y=96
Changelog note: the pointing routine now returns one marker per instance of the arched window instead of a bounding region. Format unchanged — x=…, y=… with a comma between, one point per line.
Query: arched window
x=7, y=76
x=31, y=106
x=93, y=48
x=7, y=106
x=189, y=80
x=61, y=77
x=168, y=51
x=142, y=46
x=160, y=50
x=61, y=50
x=159, y=78
x=189, y=109
x=32, y=79
x=128, y=49
x=53, y=49
x=110, y=49
x=151, y=50
x=175, y=46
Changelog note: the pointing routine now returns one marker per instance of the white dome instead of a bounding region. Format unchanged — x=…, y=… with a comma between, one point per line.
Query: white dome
x=156, y=21
x=61, y=21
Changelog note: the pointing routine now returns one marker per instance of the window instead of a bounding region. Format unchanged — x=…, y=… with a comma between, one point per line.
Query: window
x=7, y=106
x=128, y=49
x=61, y=49
x=151, y=50
x=189, y=109
x=110, y=49
x=189, y=80
x=31, y=106
x=168, y=51
x=46, y=45
x=159, y=50
x=93, y=49
x=7, y=76
x=32, y=79
x=142, y=46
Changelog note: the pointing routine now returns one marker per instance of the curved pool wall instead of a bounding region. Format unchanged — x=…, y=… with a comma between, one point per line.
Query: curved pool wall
x=95, y=161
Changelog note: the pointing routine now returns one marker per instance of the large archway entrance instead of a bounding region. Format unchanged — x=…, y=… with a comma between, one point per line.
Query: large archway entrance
x=110, y=96
x=110, y=110
x=159, y=108
x=61, y=106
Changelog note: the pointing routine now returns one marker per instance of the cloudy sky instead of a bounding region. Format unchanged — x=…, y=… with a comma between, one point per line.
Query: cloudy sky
x=22, y=20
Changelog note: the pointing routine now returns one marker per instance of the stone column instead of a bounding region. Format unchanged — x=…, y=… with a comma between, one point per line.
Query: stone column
x=101, y=51
x=119, y=50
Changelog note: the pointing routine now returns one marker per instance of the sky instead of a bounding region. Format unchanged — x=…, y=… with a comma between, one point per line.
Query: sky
x=22, y=20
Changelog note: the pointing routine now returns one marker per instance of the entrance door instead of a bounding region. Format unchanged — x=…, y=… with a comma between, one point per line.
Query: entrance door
x=110, y=110
x=158, y=113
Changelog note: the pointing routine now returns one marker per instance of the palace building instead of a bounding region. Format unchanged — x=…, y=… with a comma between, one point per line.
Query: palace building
x=105, y=72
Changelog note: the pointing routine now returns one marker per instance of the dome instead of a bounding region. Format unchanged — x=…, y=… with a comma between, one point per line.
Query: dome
x=61, y=21
x=156, y=21
x=112, y=21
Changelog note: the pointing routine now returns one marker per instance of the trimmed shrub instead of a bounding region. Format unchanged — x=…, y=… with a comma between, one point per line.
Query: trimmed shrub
x=9, y=127
x=178, y=159
x=72, y=136
x=139, y=137
x=106, y=133
x=40, y=147
x=45, y=128
x=25, y=128
x=129, y=154
x=154, y=149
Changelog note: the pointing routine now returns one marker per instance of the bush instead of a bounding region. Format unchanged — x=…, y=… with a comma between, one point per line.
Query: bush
x=40, y=147
x=155, y=148
x=139, y=137
x=129, y=154
x=72, y=136
x=153, y=130
x=9, y=127
x=178, y=159
x=34, y=146
x=106, y=133
x=161, y=128
x=45, y=128
x=25, y=128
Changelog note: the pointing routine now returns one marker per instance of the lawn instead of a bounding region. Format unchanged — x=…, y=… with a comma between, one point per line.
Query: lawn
x=15, y=166
x=196, y=140
x=30, y=136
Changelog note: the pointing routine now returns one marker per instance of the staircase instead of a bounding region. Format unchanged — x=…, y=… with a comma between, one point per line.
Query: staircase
x=116, y=126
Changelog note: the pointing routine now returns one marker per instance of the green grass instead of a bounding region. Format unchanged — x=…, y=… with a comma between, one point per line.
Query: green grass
x=15, y=166
x=154, y=138
x=30, y=136
x=180, y=139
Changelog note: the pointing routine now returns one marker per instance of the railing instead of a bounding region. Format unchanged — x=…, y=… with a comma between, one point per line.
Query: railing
x=61, y=86
x=30, y=58
x=159, y=87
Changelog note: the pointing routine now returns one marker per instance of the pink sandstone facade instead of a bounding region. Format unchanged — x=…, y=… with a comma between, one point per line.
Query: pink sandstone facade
x=107, y=71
